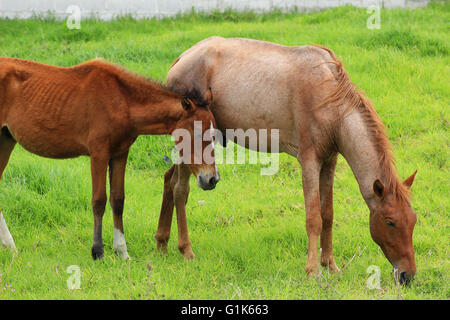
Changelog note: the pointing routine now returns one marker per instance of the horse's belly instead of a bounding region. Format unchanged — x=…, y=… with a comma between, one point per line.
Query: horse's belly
x=50, y=147
x=258, y=97
x=43, y=134
x=45, y=142
x=271, y=123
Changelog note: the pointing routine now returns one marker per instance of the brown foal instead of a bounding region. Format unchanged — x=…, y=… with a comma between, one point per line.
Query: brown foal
x=95, y=109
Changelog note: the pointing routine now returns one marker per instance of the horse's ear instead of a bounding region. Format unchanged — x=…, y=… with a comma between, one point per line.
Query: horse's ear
x=186, y=104
x=378, y=188
x=208, y=96
x=409, y=181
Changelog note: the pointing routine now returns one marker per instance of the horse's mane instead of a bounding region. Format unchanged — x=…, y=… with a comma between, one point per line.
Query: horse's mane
x=139, y=87
x=345, y=94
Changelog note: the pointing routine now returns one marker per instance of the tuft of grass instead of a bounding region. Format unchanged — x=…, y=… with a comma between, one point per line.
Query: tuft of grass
x=407, y=41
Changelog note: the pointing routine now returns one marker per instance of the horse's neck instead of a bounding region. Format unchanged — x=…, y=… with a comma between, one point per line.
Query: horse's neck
x=155, y=117
x=358, y=148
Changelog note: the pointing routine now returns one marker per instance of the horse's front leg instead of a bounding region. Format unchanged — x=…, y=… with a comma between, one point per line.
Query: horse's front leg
x=165, y=217
x=326, y=208
x=180, y=197
x=117, y=198
x=310, y=177
x=176, y=191
x=99, y=166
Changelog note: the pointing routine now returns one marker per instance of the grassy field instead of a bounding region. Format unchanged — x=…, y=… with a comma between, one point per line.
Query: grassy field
x=249, y=233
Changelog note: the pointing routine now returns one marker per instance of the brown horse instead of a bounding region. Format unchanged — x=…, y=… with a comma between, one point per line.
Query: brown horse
x=95, y=109
x=305, y=93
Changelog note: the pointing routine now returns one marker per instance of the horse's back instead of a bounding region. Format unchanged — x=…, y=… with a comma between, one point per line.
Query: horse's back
x=257, y=84
x=52, y=114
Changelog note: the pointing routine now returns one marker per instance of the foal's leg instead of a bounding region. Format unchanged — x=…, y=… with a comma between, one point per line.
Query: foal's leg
x=116, y=199
x=165, y=216
x=326, y=209
x=99, y=166
x=180, y=196
x=310, y=177
x=6, y=147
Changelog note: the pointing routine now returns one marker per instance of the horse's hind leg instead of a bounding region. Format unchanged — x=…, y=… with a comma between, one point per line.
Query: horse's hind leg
x=7, y=144
x=326, y=209
x=165, y=217
x=99, y=166
x=117, y=198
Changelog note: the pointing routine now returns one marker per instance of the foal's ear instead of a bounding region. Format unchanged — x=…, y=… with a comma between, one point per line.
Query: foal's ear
x=378, y=188
x=409, y=181
x=208, y=96
x=186, y=104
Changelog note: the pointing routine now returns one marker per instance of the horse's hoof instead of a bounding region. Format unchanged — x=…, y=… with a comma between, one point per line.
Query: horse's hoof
x=187, y=253
x=161, y=246
x=334, y=268
x=97, y=252
x=312, y=270
x=331, y=266
x=123, y=254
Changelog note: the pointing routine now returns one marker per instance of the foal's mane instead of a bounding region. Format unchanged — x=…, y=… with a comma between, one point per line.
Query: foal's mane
x=139, y=87
x=147, y=90
x=346, y=94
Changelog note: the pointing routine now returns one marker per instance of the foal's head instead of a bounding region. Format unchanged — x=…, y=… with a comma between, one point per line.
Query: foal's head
x=391, y=226
x=195, y=141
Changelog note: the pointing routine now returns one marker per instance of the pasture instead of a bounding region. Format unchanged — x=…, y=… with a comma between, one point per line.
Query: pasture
x=249, y=233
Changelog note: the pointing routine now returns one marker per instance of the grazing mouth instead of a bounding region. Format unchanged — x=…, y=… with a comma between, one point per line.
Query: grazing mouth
x=401, y=277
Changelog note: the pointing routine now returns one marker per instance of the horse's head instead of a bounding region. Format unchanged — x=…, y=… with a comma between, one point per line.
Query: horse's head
x=391, y=226
x=194, y=137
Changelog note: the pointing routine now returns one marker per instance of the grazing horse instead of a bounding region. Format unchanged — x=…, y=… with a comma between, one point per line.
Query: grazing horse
x=305, y=93
x=95, y=109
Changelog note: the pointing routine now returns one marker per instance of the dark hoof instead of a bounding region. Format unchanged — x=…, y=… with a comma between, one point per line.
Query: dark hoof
x=97, y=252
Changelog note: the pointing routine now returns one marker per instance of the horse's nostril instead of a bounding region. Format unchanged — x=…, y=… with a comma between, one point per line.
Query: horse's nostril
x=404, y=279
x=212, y=181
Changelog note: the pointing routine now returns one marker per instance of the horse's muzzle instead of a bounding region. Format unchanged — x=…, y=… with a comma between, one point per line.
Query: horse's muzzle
x=403, y=277
x=207, y=182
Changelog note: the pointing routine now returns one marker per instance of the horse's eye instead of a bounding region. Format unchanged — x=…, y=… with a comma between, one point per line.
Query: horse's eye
x=390, y=223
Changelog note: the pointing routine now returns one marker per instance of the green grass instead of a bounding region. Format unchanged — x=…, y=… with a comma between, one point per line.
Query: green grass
x=249, y=235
